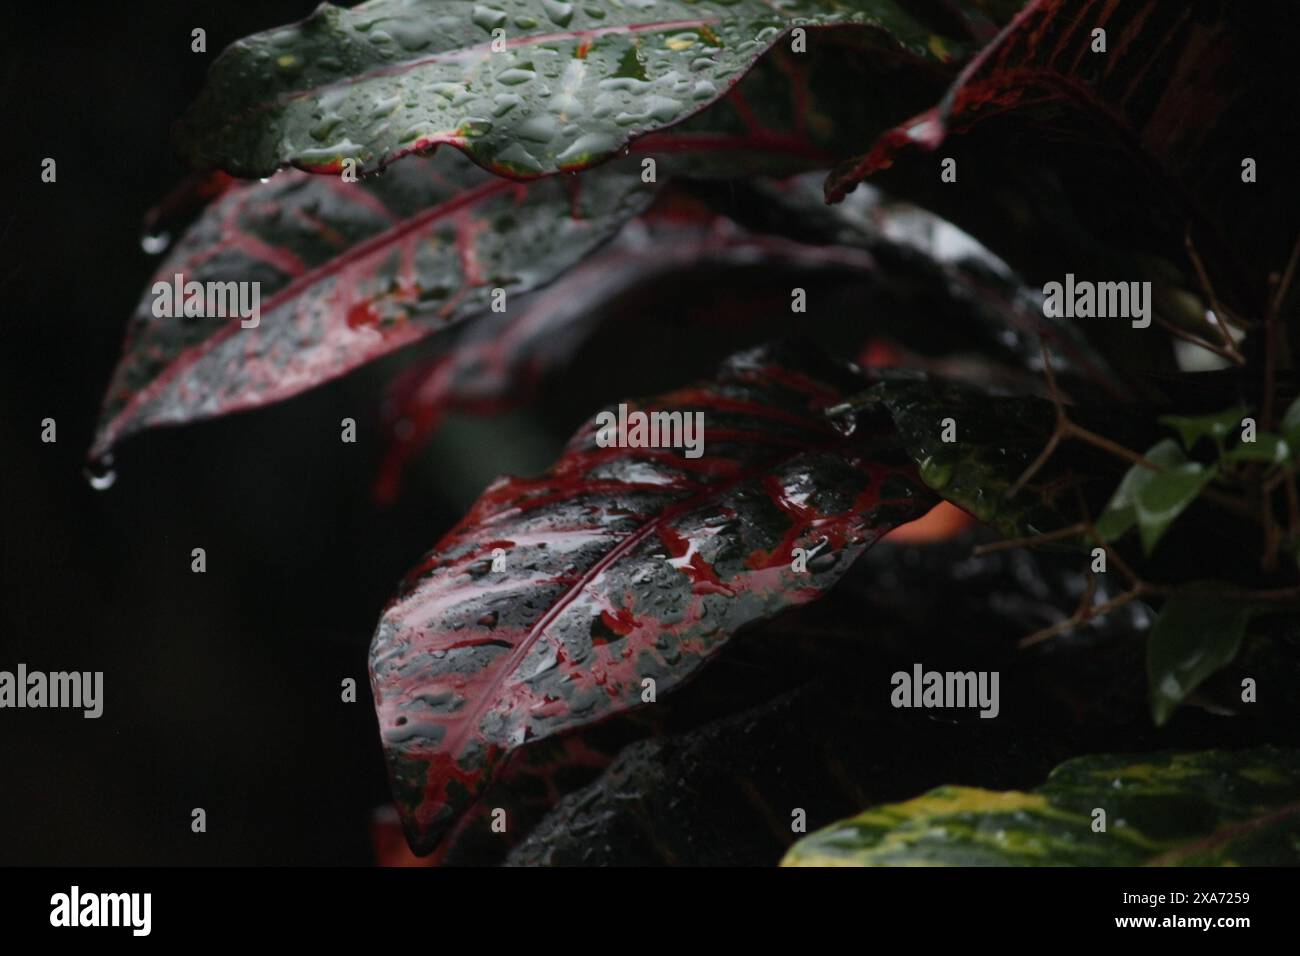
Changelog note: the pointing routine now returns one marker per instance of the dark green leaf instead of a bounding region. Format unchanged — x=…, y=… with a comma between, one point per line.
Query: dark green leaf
x=1166, y=495
x=1214, y=808
x=1191, y=639
x=1192, y=428
x=1266, y=447
x=1121, y=512
x=996, y=439
x=572, y=84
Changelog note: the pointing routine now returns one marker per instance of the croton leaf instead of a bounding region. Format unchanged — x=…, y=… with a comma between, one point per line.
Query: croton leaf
x=1214, y=808
x=973, y=301
x=621, y=566
x=972, y=448
x=525, y=87
x=1149, y=114
x=789, y=113
x=344, y=273
x=497, y=360
x=1192, y=638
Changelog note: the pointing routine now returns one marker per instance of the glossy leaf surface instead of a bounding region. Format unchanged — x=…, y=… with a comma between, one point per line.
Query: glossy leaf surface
x=525, y=87
x=345, y=273
x=1216, y=808
x=1191, y=639
x=1152, y=121
x=621, y=565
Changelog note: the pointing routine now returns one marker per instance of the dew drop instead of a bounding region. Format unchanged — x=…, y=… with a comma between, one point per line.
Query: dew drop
x=515, y=76
x=560, y=13
x=487, y=18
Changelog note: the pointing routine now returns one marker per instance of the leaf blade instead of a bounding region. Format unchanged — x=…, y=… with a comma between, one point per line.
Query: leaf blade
x=568, y=87
x=347, y=273
x=1192, y=638
x=1181, y=809
x=676, y=557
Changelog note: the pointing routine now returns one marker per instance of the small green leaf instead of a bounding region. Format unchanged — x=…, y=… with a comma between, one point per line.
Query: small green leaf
x=1266, y=447
x=1165, y=496
x=1191, y=639
x=1214, y=808
x=1121, y=513
x=1193, y=428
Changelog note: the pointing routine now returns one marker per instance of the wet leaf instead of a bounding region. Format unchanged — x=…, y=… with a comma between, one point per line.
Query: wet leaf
x=1214, y=808
x=345, y=273
x=995, y=439
x=1191, y=639
x=974, y=304
x=571, y=84
x=649, y=270
x=1153, y=123
x=621, y=565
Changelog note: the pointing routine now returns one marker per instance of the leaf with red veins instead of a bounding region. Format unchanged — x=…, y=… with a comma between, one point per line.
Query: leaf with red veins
x=623, y=565
x=790, y=113
x=1161, y=121
x=497, y=361
x=526, y=88
x=345, y=273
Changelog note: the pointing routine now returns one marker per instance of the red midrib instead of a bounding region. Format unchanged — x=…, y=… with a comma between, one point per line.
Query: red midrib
x=455, y=743
x=296, y=288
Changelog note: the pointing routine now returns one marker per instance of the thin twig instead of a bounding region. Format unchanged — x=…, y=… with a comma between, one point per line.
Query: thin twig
x=1030, y=541
x=1074, y=620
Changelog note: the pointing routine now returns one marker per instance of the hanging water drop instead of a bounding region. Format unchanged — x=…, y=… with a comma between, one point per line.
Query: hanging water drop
x=155, y=242
x=100, y=474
